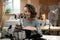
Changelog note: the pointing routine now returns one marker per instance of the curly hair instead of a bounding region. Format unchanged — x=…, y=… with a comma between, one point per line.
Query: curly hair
x=31, y=9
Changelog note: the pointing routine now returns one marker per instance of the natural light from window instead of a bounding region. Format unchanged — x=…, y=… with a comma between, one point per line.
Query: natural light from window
x=14, y=5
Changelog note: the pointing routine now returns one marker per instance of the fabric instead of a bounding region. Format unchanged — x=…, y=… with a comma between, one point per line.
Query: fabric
x=44, y=23
x=34, y=23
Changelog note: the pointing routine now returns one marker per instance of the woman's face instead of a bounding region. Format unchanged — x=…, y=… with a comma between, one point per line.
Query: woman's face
x=27, y=13
x=43, y=16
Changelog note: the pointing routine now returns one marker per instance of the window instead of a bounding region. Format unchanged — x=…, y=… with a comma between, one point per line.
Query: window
x=13, y=5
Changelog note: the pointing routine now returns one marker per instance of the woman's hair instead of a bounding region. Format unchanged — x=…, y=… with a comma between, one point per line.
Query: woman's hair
x=31, y=9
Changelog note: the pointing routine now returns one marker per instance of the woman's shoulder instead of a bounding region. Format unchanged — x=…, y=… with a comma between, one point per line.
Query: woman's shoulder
x=36, y=20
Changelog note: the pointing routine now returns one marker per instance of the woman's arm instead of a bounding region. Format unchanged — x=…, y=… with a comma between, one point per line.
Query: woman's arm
x=30, y=28
x=38, y=27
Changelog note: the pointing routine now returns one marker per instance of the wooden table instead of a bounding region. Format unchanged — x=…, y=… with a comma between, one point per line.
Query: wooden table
x=44, y=28
x=56, y=29
x=51, y=28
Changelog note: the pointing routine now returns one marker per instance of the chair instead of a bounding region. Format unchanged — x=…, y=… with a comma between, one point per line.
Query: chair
x=4, y=18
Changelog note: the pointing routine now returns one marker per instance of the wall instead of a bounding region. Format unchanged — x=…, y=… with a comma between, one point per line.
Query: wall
x=1, y=10
x=41, y=3
x=50, y=2
x=23, y=2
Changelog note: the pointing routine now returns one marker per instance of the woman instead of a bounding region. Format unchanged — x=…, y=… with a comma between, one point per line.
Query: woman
x=30, y=22
x=45, y=21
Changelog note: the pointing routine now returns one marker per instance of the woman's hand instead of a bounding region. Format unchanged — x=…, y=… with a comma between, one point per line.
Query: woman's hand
x=30, y=28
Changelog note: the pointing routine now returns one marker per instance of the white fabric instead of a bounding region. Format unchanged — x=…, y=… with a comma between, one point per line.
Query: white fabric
x=51, y=37
x=0, y=35
x=5, y=39
x=12, y=22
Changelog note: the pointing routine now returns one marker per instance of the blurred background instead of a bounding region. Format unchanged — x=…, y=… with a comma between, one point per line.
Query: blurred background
x=42, y=6
x=11, y=10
